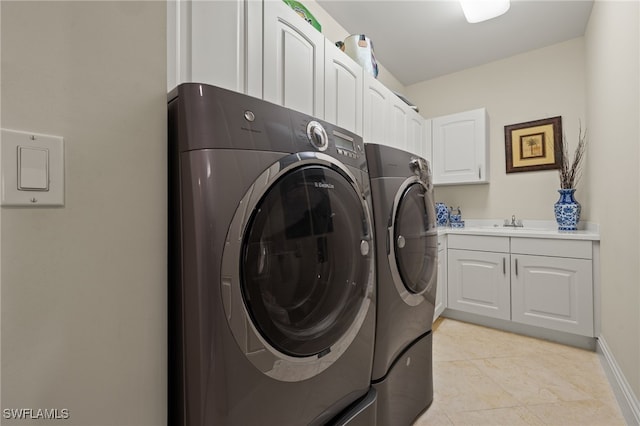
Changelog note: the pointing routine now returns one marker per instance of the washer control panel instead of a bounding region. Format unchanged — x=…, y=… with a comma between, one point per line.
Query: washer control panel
x=346, y=145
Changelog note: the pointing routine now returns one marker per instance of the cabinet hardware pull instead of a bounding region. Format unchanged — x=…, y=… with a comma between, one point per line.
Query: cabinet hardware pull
x=479, y=173
x=504, y=266
x=516, y=267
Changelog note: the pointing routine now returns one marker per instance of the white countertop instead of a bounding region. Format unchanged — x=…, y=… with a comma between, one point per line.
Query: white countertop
x=531, y=229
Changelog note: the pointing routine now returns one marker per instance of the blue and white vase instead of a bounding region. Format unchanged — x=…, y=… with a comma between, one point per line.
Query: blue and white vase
x=442, y=214
x=567, y=210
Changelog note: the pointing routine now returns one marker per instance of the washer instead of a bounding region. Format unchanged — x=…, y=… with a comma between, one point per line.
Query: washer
x=272, y=311
x=406, y=241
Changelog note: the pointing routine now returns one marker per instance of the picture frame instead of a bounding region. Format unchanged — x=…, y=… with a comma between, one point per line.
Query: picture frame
x=533, y=145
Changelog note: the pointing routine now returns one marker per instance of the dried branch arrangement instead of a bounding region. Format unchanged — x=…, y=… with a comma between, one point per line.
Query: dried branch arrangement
x=570, y=173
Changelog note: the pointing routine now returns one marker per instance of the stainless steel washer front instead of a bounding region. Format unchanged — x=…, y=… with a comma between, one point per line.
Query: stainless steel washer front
x=297, y=275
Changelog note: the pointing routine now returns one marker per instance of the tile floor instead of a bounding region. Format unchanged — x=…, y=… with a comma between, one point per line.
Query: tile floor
x=483, y=376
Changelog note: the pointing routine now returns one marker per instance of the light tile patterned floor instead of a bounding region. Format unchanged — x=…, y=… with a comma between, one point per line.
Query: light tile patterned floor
x=483, y=376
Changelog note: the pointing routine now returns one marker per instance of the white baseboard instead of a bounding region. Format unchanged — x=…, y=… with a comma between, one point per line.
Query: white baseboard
x=627, y=399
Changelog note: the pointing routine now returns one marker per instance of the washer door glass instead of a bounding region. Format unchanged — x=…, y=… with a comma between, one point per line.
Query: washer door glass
x=415, y=247
x=305, y=261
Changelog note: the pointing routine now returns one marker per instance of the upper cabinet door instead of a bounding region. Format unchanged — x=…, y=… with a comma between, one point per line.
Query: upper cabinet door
x=398, y=127
x=206, y=43
x=377, y=101
x=460, y=148
x=342, y=89
x=415, y=134
x=427, y=141
x=293, y=60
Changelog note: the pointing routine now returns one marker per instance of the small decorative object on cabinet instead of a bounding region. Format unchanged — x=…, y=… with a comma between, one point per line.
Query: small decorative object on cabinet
x=360, y=48
x=304, y=13
x=442, y=214
x=455, y=218
x=567, y=209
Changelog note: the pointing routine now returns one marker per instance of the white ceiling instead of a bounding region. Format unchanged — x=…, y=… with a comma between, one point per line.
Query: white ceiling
x=421, y=39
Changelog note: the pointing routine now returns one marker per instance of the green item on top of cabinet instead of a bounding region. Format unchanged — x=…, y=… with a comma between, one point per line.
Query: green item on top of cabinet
x=306, y=15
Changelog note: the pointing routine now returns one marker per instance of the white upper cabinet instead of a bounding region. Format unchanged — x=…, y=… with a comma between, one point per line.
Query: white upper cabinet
x=461, y=148
x=388, y=120
x=206, y=43
x=293, y=60
x=426, y=143
x=265, y=49
x=343, y=83
x=399, y=112
x=415, y=134
x=377, y=101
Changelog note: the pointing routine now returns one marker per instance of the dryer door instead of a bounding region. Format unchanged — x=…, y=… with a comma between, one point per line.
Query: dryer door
x=414, y=242
x=304, y=268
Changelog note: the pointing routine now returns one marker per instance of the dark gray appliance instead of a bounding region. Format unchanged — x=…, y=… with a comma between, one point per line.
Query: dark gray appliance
x=406, y=241
x=272, y=311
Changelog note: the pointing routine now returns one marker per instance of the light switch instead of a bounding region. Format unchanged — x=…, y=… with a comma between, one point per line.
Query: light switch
x=33, y=169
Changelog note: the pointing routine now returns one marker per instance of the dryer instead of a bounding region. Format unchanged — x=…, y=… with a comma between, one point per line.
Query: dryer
x=272, y=311
x=406, y=241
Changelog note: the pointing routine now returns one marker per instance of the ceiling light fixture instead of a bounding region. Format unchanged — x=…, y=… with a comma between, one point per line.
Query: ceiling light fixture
x=482, y=10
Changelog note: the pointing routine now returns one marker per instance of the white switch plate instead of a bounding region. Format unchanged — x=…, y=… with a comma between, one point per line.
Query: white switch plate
x=15, y=193
x=33, y=169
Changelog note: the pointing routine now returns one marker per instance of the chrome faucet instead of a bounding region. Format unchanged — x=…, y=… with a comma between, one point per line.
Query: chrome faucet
x=516, y=223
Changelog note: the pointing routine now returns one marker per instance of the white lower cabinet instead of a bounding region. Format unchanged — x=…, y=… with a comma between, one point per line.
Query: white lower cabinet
x=441, y=289
x=545, y=283
x=553, y=292
x=479, y=282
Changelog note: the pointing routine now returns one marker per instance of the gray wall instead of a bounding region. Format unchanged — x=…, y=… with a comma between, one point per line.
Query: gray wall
x=83, y=314
x=538, y=84
x=333, y=31
x=613, y=89
x=83, y=301
x=595, y=79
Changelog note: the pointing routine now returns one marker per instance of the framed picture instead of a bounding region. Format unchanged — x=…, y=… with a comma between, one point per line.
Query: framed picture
x=534, y=145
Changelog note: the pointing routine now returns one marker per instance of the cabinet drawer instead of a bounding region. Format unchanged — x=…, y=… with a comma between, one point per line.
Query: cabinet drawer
x=578, y=249
x=478, y=242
